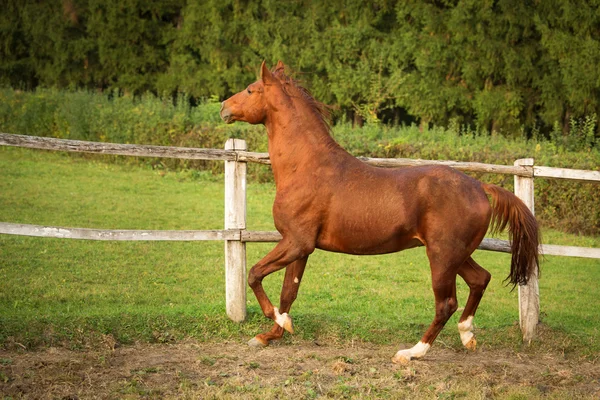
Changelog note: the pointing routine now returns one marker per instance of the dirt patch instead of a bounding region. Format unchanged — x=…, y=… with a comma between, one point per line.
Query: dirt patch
x=300, y=370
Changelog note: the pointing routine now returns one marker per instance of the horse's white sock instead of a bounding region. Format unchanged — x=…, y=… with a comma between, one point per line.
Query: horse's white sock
x=417, y=351
x=465, y=329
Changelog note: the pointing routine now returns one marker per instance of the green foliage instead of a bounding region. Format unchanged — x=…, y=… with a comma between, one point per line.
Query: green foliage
x=506, y=66
x=132, y=40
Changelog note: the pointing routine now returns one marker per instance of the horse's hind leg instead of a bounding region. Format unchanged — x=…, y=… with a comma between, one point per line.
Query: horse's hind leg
x=291, y=284
x=444, y=289
x=477, y=278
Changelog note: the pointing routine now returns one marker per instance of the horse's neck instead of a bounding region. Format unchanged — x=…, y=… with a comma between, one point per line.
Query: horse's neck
x=300, y=144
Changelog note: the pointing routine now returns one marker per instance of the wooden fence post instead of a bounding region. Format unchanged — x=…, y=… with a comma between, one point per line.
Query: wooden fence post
x=235, y=218
x=529, y=295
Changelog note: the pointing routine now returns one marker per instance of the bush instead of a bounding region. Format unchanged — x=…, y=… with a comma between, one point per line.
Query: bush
x=108, y=117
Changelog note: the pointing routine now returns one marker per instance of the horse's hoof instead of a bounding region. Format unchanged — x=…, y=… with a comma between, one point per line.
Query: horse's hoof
x=471, y=344
x=401, y=358
x=288, y=325
x=257, y=343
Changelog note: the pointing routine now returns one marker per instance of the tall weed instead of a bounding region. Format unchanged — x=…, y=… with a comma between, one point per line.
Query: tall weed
x=581, y=135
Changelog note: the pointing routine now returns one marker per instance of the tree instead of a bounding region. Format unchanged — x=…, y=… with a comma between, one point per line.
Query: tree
x=499, y=64
x=570, y=39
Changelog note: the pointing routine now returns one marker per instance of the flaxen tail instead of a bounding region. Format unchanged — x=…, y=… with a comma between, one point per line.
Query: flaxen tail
x=523, y=230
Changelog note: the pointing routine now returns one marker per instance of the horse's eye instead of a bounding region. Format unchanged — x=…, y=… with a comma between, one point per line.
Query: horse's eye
x=249, y=91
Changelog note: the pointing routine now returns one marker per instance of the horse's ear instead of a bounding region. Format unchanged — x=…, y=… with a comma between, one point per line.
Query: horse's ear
x=280, y=66
x=266, y=75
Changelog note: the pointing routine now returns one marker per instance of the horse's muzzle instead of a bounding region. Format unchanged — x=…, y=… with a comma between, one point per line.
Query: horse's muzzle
x=226, y=114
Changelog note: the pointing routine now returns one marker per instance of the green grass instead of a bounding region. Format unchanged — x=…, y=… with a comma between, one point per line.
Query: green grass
x=73, y=292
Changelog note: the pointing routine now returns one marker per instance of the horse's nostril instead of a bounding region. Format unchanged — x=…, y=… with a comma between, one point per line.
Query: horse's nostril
x=225, y=114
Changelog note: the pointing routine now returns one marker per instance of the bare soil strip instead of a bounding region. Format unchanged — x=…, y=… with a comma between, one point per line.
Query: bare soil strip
x=193, y=369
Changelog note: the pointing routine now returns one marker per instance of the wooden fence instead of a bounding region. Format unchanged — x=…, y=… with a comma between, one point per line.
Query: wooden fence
x=235, y=235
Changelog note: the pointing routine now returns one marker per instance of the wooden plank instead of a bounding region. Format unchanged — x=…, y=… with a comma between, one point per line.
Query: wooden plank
x=115, y=234
x=502, y=246
x=45, y=143
x=235, y=218
x=249, y=156
x=565, y=173
x=545, y=249
x=8, y=228
x=261, y=236
x=570, y=251
x=463, y=166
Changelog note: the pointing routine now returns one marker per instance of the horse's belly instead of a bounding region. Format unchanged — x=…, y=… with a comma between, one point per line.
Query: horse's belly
x=366, y=241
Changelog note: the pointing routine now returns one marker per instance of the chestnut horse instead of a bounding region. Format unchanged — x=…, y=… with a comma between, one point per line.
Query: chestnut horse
x=330, y=200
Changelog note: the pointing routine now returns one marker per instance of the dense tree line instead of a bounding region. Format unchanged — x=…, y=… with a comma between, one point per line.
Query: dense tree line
x=501, y=65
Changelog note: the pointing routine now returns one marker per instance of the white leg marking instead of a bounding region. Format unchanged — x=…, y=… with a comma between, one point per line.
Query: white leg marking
x=465, y=329
x=283, y=320
x=296, y=280
x=417, y=351
x=279, y=318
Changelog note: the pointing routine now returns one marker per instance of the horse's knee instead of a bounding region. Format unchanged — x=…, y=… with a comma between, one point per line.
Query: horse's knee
x=446, y=308
x=481, y=283
x=253, y=279
x=486, y=280
x=451, y=305
x=475, y=276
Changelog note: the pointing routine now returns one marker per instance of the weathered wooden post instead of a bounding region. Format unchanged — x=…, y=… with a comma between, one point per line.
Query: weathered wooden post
x=235, y=218
x=529, y=295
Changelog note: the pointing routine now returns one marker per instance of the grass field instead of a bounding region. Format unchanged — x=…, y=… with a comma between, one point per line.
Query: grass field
x=55, y=291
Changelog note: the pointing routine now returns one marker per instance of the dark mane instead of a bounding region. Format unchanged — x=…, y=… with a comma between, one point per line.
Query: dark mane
x=322, y=110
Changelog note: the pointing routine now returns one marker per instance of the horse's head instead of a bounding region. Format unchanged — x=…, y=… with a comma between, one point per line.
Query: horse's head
x=251, y=105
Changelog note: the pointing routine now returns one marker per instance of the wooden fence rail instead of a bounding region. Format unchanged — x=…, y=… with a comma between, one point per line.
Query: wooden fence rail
x=188, y=153
x=235, y=234
x=245, y=236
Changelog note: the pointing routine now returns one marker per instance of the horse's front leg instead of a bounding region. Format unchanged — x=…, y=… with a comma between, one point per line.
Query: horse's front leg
x=289, y=291
x=286, y=252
